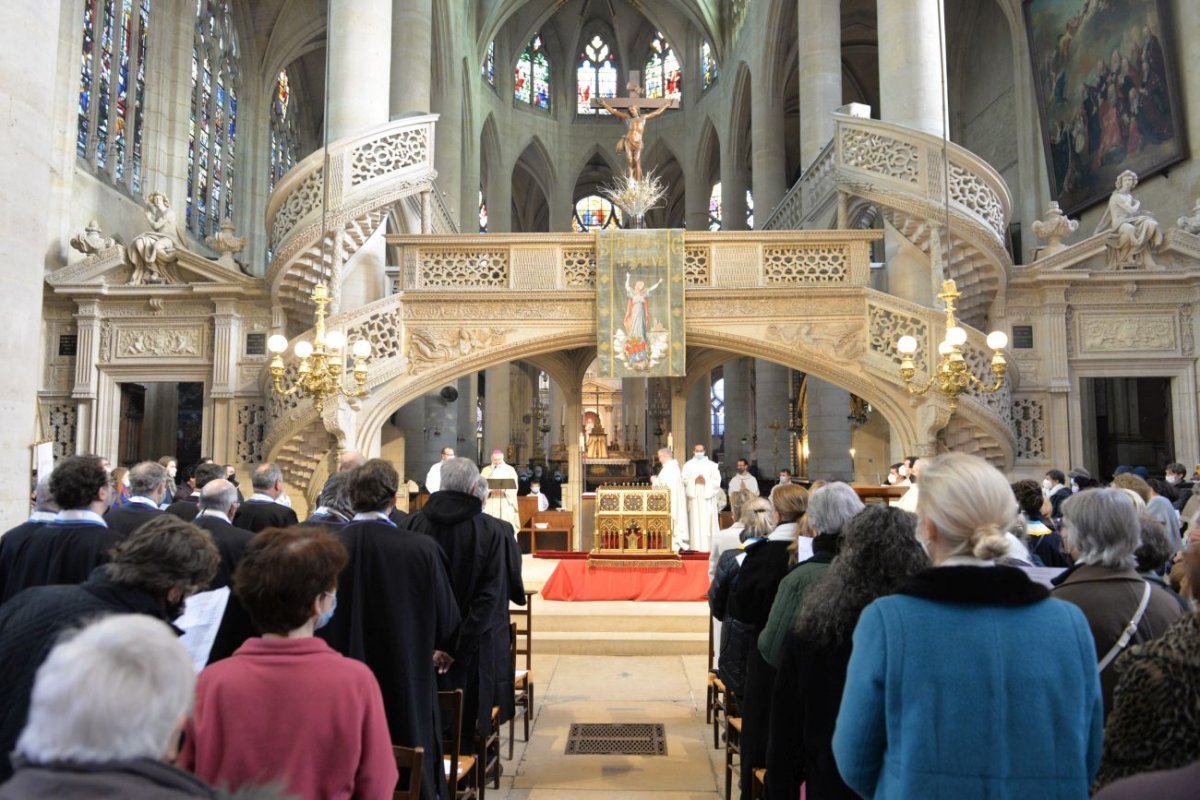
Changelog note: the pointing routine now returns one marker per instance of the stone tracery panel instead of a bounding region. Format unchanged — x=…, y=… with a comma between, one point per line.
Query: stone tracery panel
x=378, y=157
x=579, y=268
x=62, y=421
x=301, y=201
x=980, y=363
x=1029, y=427
x=970, y=191
x=382, y=329
x=251, y=430
x=887, y=326
x=461, y=268
x=884, y=155
x=696, y=262
x=807, y=265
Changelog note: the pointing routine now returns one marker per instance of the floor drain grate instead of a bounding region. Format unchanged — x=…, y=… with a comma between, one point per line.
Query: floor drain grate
x=617, y=739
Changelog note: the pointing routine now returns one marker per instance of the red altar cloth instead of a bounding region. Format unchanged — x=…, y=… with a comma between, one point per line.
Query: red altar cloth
x=576, y=579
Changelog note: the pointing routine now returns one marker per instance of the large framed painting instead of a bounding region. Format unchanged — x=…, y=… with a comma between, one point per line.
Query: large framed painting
x=1107, y=93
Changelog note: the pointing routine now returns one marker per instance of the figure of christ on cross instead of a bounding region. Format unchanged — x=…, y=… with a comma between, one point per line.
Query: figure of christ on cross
x=631, y=143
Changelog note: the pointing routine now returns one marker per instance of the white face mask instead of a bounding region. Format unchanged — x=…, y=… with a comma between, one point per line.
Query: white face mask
x=1171, y=479
x=893, y=477
x=1074, y=487
x=535, y=490
x=698, y=456
x=784, y=479
x=903, y=472
x=1047, y=484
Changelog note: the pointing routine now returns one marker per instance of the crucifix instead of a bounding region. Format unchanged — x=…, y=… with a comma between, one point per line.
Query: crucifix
x=631, y=143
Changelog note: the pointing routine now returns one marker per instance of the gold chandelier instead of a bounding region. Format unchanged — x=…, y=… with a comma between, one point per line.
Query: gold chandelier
x=953, y=375
x=322, y=362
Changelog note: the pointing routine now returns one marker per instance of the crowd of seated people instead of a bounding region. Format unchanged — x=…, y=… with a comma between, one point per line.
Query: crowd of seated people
x=336, y=637
x=1005, y=640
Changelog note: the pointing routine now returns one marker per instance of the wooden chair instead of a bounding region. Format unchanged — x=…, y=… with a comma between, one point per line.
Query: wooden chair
x=462, y=771
x=733, y=747
x=522, y=660
x=487, y=750
x=408, y=762
x=718, y=699
x=760, y=784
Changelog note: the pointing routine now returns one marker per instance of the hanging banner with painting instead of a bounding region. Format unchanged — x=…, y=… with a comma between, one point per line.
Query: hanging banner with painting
x=1107, y=93
x=639, y=303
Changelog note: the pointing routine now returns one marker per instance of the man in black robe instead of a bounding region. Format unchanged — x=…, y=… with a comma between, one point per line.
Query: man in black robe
x=78, y=540
x=152, y=572
x=16, y=539
x=262, y=511
x=217, y=503
x=187, y=508
x=147, y=486
x=485, y=571
x=397, y=614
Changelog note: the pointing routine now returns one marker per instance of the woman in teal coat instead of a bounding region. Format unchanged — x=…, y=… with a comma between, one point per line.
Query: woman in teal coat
x=971, y=681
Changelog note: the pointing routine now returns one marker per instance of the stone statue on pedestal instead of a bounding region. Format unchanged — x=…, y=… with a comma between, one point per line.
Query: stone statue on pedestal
x=226, y=242
x=92, y=240
x=1053, y=229
x=154, y=252
x=1191, y=223
x=1133, y=235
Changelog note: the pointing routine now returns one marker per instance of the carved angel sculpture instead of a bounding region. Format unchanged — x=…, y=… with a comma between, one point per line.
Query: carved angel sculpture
x=91, y=240
x=1134, y=235
x=1191, y=223
x=152, y=253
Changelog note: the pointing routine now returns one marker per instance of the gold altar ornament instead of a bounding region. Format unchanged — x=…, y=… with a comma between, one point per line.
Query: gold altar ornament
x=322, y=362
x=953, y=375
x=632, y=521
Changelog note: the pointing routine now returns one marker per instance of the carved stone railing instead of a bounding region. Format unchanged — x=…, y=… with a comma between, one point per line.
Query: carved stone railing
x=500, y=262
x=906, y=175
x=366, y=174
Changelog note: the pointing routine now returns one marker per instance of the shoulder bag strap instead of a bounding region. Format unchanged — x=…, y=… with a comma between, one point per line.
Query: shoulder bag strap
x=1129, y=631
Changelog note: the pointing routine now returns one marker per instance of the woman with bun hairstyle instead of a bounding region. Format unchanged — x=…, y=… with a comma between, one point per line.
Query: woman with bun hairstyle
x=970, y=681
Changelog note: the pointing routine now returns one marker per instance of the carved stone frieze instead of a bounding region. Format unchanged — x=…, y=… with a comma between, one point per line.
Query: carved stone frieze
x=106, y=330
x=842, y=340
x=159, y=342
x=429, y=347
x=1123, y=333
x=498, y=309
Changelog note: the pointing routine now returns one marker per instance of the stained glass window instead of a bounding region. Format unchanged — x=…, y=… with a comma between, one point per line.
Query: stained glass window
x=749, y=210
x=489, y=63
x=285, y=136
x=531, y=82
x=708, y=65
x=483, y=214
x=113, y=59
x=717, y=404
x=663, y=77
x=212, y=129
x=595, y=212
x=596, y=75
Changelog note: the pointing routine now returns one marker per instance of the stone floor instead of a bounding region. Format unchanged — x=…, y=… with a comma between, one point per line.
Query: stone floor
x=588, y=688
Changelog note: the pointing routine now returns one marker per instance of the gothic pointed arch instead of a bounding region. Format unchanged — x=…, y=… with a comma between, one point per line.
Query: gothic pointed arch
x=597, y=66
x=666, y=165
x=532, y=187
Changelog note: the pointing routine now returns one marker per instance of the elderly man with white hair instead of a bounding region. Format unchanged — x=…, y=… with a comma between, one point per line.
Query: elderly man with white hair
x=1101, y=532
x=105, y=719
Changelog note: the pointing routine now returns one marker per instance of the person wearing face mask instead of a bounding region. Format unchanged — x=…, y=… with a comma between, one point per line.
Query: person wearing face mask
x=909, y=501
x=701, y=483
x=669, y=478
x=251, y=707
x=152, y=572
x=893, y=476
x=1054, y=485
x=1177, y=477
x=535, y=489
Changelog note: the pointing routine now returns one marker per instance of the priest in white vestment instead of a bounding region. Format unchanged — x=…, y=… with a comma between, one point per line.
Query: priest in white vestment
x=670, y=478
x=702, y=483
x=743, y=487
x=502, y=503
x=433, y=478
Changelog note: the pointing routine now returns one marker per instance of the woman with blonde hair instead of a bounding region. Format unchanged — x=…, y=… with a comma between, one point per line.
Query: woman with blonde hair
x=970, y=681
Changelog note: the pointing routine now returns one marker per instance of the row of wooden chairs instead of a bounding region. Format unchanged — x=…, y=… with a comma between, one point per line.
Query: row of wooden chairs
x=720, y=702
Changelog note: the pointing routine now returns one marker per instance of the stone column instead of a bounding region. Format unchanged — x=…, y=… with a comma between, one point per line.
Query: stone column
x=412, y=53
x=771, y=405
x=499, y=197
x=497, y=414
x=767, y=149
x=30, y=63
x=733, y=193
x=911, y=64
x=448, y=150
x=739, y=410
x=360, y=53
x=699, y=416
x=829, y=432
x=410, y=421
x=820, y=50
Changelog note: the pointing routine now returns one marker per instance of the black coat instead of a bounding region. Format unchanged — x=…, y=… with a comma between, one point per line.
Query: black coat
x=186, y=509
x=128, y=517
x=61, y=552
x=807, y=696
x=12, y=545
x=257, y=515
x=325, y=520
x=395, y=607
x=485, y=571
x=29, y=627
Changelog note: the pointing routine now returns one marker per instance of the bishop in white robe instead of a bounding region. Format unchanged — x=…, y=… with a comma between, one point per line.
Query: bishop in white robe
x=702, y=483
x=669, y=478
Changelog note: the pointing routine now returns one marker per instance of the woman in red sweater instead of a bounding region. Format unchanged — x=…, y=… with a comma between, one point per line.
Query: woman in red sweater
x=286, y=708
